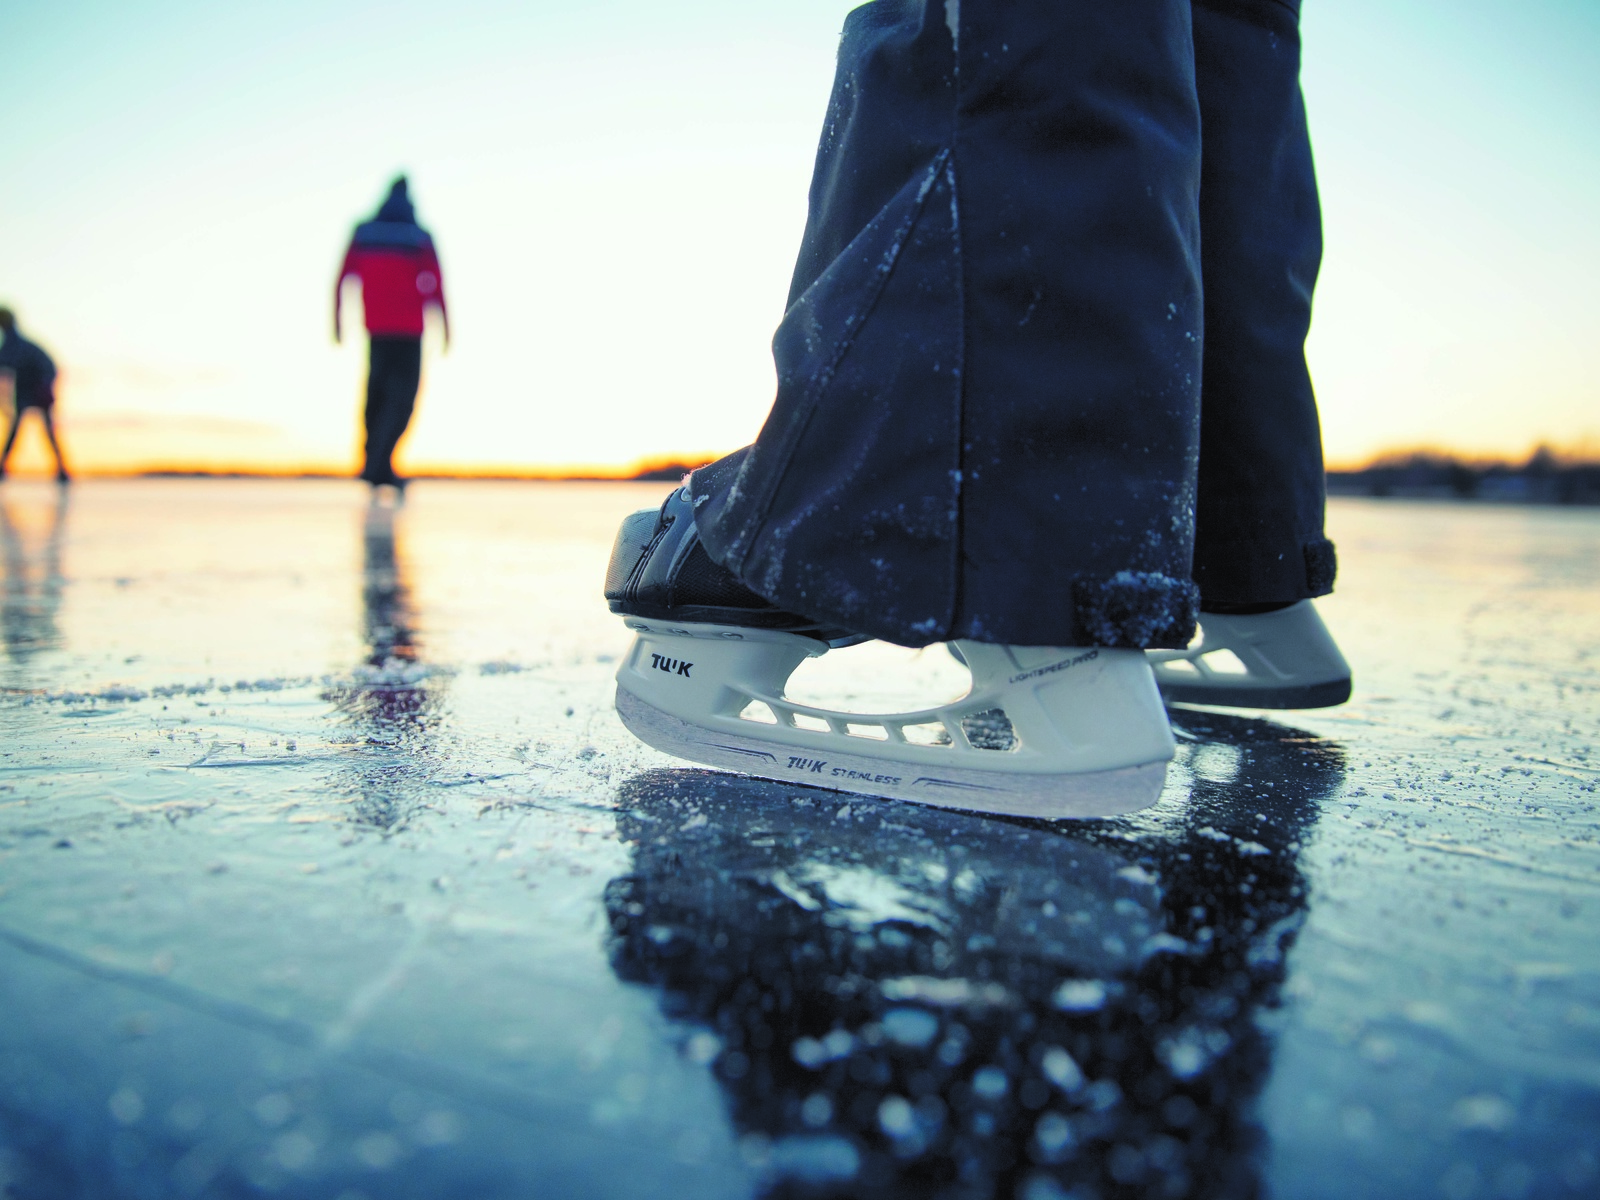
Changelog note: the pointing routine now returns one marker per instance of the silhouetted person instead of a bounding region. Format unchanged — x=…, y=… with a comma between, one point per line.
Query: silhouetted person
x=394, y=259
x=33, y=385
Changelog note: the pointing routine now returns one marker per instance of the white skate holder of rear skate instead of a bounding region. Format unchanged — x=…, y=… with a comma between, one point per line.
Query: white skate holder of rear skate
x=1044, y=731
x=1282, y=659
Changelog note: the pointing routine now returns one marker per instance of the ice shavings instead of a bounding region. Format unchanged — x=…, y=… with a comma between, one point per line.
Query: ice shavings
x=947, y=993
x=910, y=1026
x=112, y=694
x=120, y=693
x=780, y=881
x=1054, y=1138
x=1061, y=1069
x=395, y=672
x=861, y=898
x=1243, y=847
x=1080, y=996
x=812, y=1053
x=990, y=1083
x=1163, y=943
x=500, y=667
x=1187, y=1054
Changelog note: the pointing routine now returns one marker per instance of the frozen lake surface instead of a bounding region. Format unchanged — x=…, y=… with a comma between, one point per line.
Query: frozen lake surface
x=327, y=870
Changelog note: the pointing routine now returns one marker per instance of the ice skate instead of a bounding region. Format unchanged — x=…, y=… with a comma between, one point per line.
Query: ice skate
x=1281, y=659
x=1046, y=732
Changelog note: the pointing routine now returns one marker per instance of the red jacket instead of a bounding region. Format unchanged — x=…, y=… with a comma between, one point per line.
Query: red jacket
x=399, y=273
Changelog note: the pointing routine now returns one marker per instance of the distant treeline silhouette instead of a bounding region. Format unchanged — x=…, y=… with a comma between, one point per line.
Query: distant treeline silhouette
x=665, y=470
x=1547, y=477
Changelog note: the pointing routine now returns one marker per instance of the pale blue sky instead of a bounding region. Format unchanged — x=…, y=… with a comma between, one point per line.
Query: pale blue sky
x=618, y=188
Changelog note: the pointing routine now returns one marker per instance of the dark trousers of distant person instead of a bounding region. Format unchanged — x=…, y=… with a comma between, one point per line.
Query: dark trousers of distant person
x=46, y=411
x=394, y=371
x=1042, y=380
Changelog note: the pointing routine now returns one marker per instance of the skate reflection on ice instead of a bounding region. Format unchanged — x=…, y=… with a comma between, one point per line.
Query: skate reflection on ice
x=391, y=704
x=30, y=543
x=905, y=1000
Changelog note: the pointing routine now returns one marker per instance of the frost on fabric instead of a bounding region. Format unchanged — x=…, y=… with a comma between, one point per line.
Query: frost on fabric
x=955, y=209
x=817, y=332
x=1138, y=609
x=925, y=521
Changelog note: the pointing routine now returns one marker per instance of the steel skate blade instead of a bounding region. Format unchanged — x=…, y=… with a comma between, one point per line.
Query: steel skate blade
x=1087, y=794
x=1316, y=695
x=1274, y=660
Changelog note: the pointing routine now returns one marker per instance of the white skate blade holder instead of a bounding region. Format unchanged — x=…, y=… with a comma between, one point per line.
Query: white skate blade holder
x=1282, y=659
x=1044, y=731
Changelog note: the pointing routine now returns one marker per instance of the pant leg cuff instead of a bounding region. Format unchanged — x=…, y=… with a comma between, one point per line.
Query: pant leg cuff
x=1266, y=571
x=1322, y=566
x=1137, y=610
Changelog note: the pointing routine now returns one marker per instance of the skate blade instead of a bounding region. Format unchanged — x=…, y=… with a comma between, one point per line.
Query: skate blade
x=1047, y=797
x=1277, y=660
x=1296, y=696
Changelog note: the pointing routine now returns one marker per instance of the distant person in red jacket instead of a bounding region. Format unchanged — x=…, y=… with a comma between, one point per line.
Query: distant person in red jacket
x=33, y=385
x=394, y=259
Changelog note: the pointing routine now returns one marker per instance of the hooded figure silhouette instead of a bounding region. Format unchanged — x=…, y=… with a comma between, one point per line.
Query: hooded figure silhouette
x=33, y=385
x=394, y=259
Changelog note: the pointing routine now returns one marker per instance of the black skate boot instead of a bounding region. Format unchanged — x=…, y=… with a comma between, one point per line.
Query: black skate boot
x=1043, y=732
x=659, y=571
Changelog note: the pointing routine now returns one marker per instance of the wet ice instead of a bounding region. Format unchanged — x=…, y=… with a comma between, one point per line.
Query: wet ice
x=385, y=914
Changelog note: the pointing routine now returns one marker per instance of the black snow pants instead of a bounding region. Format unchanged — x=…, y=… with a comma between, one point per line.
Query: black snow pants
x=1042, y=376
x=394, y=370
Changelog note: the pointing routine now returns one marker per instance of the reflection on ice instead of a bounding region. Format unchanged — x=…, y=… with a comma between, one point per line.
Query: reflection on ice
x=30, y=547
x=273, y=780
x=392, y=702
x=913, y=1002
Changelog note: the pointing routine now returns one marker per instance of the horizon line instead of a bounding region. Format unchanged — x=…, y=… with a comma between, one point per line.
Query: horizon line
x=669, y=468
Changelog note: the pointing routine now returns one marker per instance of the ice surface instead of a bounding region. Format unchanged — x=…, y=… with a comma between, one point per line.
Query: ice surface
x=326, y=869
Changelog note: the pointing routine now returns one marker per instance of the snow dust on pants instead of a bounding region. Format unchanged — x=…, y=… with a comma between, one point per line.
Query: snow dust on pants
x=1042, y=376
x=394, y=370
